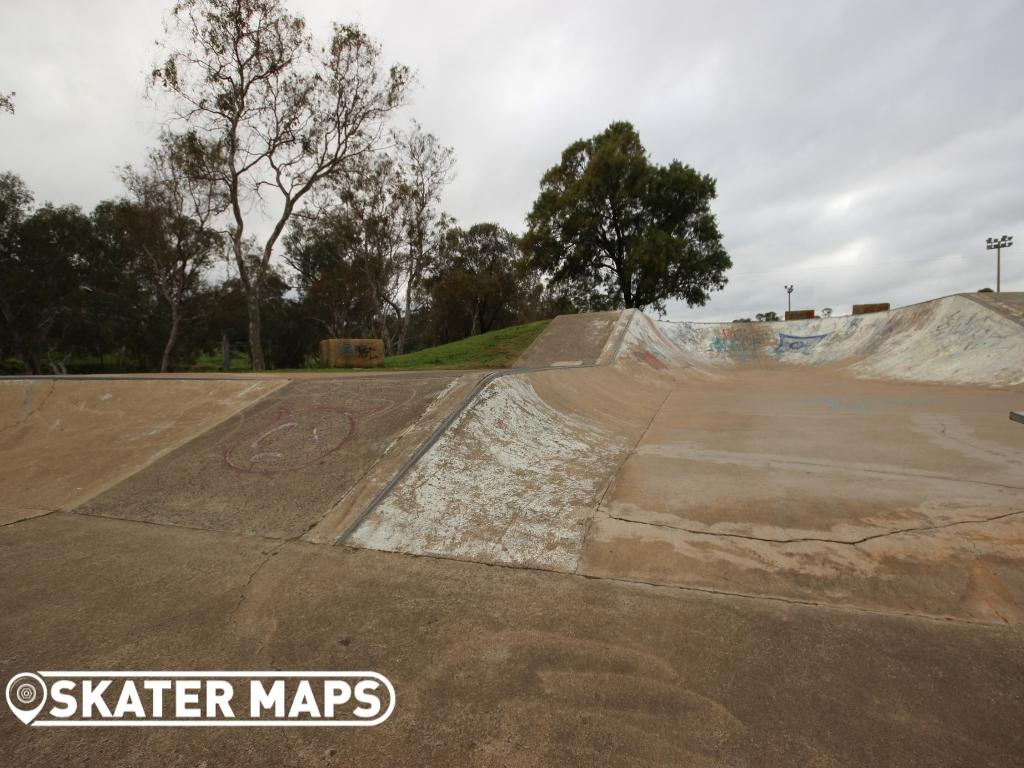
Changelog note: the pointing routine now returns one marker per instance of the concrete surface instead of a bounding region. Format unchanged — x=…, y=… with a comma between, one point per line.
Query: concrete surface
x=493, y=666
x=954, y=340
x=62, y=442
x=1009, y=304
x=681, y=544
x=278, y=468
x=570, y=340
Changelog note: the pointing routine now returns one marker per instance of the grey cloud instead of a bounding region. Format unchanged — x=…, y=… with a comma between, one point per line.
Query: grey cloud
x=863, y=150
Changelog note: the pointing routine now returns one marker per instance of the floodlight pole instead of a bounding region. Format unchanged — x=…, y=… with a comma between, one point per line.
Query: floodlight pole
x=789, y=298
x=997, y=244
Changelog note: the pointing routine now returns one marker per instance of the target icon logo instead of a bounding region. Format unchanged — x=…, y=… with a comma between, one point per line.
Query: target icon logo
x=26, y=696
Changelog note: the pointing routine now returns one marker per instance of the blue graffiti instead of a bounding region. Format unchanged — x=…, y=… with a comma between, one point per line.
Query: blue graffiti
x=799, y=344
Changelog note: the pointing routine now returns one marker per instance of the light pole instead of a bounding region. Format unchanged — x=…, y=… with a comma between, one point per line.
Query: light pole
x=997, y=244
x=789, y=298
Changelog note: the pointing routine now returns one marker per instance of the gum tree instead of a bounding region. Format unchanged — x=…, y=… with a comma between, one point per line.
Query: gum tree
x=167, y=222
x=270, y=116
x=425, y=169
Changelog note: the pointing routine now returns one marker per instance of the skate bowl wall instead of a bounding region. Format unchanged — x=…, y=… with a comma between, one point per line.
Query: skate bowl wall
x=951, y=340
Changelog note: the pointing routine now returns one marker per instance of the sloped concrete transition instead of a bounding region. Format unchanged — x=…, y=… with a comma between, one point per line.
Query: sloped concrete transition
x=856, y=477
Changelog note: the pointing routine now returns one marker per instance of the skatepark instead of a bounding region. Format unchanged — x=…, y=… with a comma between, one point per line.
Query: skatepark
x=650, y=542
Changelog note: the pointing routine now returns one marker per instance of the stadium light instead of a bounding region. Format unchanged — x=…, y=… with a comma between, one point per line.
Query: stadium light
x=789, y=298
x=997, y=244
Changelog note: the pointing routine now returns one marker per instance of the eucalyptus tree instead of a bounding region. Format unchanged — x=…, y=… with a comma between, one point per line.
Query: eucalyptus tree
x=168, y=223
x=425, y=168
x=271, y=115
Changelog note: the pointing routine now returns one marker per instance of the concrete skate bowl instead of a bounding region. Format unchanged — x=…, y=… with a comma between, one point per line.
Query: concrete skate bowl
x=858, y=462
x=954, y=340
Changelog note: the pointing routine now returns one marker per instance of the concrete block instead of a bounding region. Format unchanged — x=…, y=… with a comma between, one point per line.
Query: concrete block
x=866, y=309
x=800, y=314
x=352, y=353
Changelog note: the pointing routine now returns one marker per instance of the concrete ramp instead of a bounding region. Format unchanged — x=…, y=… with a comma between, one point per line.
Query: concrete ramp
x=573, y=340
x=1009, y=305
x=65, y=440
x=278, y=468
x=810, y=462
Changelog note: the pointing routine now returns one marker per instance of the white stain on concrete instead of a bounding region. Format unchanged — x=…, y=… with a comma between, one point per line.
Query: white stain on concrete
x=512, y=481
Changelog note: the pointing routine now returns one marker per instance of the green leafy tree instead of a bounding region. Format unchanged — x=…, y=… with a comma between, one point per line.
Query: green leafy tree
x=331, y=279
x=425, y=168
x=608, y=221
x=479, y=282
x=41, y=282
x=167, y=221
x=15, y=204
x=272, y=116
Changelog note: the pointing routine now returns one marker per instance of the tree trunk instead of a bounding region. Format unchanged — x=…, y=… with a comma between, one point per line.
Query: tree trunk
x=474, y=329
x=225, y=351
x=172, y=337
x=252, y=296
x=403, y=328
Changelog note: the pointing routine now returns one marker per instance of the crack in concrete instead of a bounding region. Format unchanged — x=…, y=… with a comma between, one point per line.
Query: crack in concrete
x=280, y=544
x=26, y=416
x=839, y=607
x=611, y=479
x=168, y=524
x=269, y=553
x=800, y=540
x=39, y=512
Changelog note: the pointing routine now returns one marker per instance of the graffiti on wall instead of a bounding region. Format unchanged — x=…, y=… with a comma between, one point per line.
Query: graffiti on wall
x=741, y=341
x=651, y=359
x=801, y=345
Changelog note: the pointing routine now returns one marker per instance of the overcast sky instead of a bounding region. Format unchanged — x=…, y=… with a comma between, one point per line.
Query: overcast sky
x=863, y=150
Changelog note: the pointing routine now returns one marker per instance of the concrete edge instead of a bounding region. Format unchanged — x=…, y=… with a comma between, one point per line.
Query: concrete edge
x=442, y=428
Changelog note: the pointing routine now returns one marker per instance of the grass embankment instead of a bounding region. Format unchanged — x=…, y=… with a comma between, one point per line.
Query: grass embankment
x=497, y=349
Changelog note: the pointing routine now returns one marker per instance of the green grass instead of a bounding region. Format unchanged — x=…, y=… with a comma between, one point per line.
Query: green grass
x=208, y=363
x=497, y=349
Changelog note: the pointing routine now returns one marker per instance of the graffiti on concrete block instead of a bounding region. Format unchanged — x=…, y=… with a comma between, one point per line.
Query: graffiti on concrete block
x=351, y=353
x=798, y=344
x=355, y=350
